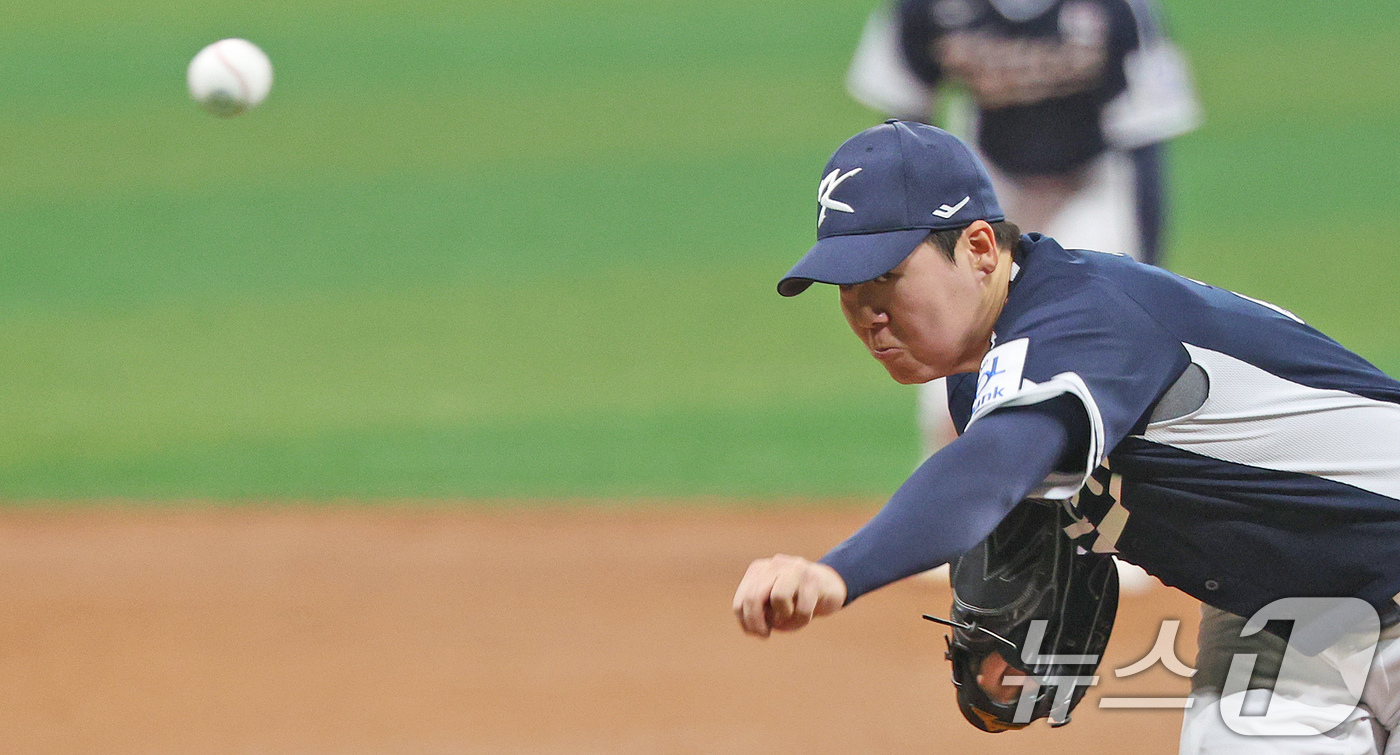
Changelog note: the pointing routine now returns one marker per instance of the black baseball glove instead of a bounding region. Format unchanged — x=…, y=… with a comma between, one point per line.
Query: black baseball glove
x=1045, y=605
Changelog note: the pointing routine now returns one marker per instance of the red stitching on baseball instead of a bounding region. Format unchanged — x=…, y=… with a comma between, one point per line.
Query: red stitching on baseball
x=247, y=92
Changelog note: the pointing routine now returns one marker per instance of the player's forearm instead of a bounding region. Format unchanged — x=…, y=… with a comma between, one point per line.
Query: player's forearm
x=956, y=498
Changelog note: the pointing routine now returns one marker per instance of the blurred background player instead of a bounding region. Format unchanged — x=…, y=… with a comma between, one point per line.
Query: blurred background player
x=1068, y=102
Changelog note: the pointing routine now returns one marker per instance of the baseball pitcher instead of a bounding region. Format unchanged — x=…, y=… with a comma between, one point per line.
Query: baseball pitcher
x=1105, y=407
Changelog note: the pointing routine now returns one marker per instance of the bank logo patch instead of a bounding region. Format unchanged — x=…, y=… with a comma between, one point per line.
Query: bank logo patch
x=1000, y=375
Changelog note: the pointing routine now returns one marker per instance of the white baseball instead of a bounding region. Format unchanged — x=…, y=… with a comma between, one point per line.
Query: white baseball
x=229, y=77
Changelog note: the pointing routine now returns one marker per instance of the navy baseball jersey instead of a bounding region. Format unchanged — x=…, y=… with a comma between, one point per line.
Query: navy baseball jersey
x=1041, y=72
x=1219, y=442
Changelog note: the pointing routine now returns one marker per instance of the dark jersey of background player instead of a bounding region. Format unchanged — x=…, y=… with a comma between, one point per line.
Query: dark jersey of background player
x=1040, y=77
x=1042, y=74
x=1235, y=452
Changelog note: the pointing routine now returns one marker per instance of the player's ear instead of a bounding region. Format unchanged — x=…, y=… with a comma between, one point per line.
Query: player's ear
x=981, y=243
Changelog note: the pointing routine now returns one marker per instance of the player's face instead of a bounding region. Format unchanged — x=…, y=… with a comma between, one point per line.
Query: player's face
x=930, y=317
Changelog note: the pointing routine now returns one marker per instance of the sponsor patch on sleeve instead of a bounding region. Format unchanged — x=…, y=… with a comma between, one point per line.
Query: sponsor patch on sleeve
x=1000, y=375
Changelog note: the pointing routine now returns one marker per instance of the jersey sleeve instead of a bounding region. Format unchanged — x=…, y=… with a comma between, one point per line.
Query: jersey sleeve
x=958, y=495
x=881, y=77
x=1098, y=346
x=1158, y=101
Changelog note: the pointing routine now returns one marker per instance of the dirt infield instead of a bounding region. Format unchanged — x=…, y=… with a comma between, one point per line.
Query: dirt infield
x=437, y=629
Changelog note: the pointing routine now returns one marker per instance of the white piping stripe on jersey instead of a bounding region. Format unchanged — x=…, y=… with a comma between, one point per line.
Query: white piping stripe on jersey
x=1059, y=486
x=1255, y=418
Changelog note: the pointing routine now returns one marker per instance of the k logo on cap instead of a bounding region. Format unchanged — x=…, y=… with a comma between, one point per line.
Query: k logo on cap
x=913, y=178
x=828, y=185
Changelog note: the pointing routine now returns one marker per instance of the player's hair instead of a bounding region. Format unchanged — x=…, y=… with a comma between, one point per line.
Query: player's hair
x=1008, y=234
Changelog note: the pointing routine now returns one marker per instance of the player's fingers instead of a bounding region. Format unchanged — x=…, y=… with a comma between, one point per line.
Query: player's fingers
x=807, y=598
x=755, y=620
x=815, y=597
x=743, y=600
x=823, y=593
x=741, y=592
x=992, y=678
x=751, y=599
x=783, y=596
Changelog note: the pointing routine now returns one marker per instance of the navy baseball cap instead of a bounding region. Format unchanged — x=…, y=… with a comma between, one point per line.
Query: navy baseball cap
x=881, y=194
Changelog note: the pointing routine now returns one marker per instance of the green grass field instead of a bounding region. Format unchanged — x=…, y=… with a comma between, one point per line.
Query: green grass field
x=528, y=248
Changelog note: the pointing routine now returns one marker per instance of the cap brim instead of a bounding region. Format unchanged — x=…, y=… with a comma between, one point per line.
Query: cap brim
x=857, y=258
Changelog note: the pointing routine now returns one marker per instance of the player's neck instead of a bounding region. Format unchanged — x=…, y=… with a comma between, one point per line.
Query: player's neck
x=998, y=290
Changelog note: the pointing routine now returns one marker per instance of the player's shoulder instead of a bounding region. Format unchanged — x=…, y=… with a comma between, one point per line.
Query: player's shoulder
x=1067, y=288
x=1077, y=301
x=1083, y=302
x=1051, y=278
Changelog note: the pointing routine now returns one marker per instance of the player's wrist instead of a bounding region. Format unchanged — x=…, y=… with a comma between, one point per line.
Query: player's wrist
x=832, y=565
